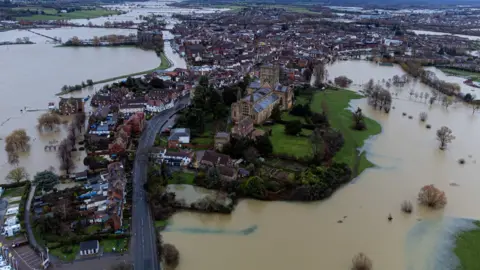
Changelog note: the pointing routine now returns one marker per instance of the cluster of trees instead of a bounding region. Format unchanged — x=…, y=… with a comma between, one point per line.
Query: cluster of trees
x=207, y=105
x=48, y=121
x=432, y=197
x=45, y=180
x=342, y=81
x=378, y=97
x=312, y=184
x=71, y=88
x=97, y=41
x=15, y=142
x=429, y=78
x=67, y=146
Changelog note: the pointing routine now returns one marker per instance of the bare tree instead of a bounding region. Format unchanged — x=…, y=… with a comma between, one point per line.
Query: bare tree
x=48, y=121
x=18, y=140
x=13, y=158
x=72, y=133
x=432, y=100
x=426, y=96
x=423, y=116
x=445, y=136
x=64, y=154
x=320, y=73
x=407, y=207
x=432, y=197
x=368, y=87
x=361, y=262
x=80, y=120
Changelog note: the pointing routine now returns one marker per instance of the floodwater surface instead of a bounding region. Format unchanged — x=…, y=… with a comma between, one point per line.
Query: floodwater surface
x=307, y=236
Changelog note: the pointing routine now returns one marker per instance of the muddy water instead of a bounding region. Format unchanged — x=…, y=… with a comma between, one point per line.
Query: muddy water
x=307, y=235
x=31, y=75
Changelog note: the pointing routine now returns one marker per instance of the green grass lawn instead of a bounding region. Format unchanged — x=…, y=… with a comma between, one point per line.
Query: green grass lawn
x=298, y=146
x=68, y=257
x=51, y=14
x=93, y=229
x=341, y=119
x=182, y=178
x=114, y=245
x=467, y=249
x=288, y=117
x=13, y=192
x=203, y=140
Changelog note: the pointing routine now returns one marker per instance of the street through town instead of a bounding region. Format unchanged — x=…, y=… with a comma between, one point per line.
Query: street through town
x=143, y=247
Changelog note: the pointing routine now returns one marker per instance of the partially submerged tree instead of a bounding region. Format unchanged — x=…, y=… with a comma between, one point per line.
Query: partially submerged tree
x=48, y=121
x=361, y=262
x=17, y=175
x=13, y=158
x=17, y=141
x=445, y=136
x=64, y=154
x=342, y=81
x=407, y=207
x=432, y=197
x=170, y=255
x=320, y=74
x=423, y=116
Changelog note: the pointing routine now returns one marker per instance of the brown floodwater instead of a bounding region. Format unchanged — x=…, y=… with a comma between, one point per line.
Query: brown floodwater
x=307, y=236
x=31, y=75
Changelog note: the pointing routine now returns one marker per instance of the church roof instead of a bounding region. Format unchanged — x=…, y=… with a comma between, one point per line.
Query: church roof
x=255, y=85
x=281, y=88
x=259, y=94
x=264, y=103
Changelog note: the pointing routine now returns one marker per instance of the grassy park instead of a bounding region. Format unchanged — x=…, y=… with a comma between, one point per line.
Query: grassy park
x=298, y=146
x=341, y=118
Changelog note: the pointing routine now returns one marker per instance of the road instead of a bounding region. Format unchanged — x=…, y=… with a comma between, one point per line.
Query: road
x=143, y=247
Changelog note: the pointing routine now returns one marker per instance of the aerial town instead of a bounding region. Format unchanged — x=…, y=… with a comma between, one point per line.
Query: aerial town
x=254, y=111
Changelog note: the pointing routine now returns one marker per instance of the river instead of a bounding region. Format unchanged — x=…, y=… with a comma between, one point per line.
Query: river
x=307, y=236
x=32, y=75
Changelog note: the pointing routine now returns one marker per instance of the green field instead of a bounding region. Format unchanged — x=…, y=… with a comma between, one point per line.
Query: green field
x=341, y=119
x=299, y=9
x=52, y=14
x=13, y=192
x=114, y=245
x=467, y=249
x=288, y=117
x=462, y=73
x=298, y=146
x=182, y=178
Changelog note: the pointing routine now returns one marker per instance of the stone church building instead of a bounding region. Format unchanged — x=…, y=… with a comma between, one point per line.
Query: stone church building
x=263, y=96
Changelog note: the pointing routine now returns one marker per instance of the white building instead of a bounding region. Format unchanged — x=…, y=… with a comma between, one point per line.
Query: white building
x=11, y=230
x=12, y=210
x=155, y=106
x=131, y=108
x=89, y=247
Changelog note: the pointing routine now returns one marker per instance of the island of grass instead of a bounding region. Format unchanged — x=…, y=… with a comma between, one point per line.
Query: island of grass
x=50, y=14
x=467, y=248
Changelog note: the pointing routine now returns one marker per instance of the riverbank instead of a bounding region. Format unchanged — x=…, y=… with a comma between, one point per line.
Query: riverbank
x=467, y=248
x=165, y=63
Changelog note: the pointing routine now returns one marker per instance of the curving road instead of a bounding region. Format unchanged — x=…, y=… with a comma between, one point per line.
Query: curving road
x=143, y=242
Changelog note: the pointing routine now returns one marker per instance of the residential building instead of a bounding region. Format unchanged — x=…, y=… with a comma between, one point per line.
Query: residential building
x=68, y=106
x=178, y=136
x=89, y=247
x=221, y=139
x=177, y=158
x=155, y=106
x=212, y=158
x=131, y=108
x=227, y=173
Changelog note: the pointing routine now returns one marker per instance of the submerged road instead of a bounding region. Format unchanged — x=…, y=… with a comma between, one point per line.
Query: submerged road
x=143, y=245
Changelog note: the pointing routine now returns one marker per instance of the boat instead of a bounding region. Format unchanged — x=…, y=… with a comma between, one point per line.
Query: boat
x=86, y=98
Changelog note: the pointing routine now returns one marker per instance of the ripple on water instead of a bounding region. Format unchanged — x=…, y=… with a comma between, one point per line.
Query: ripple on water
x=430, y=243
x=192, y=230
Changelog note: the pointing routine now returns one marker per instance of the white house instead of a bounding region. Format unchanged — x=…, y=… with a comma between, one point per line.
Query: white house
x=176, y=158
x=155, y=106
x=89, y=247
x=11, y=221
x=131, y=108
x=12, y=210
x=11, y=230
